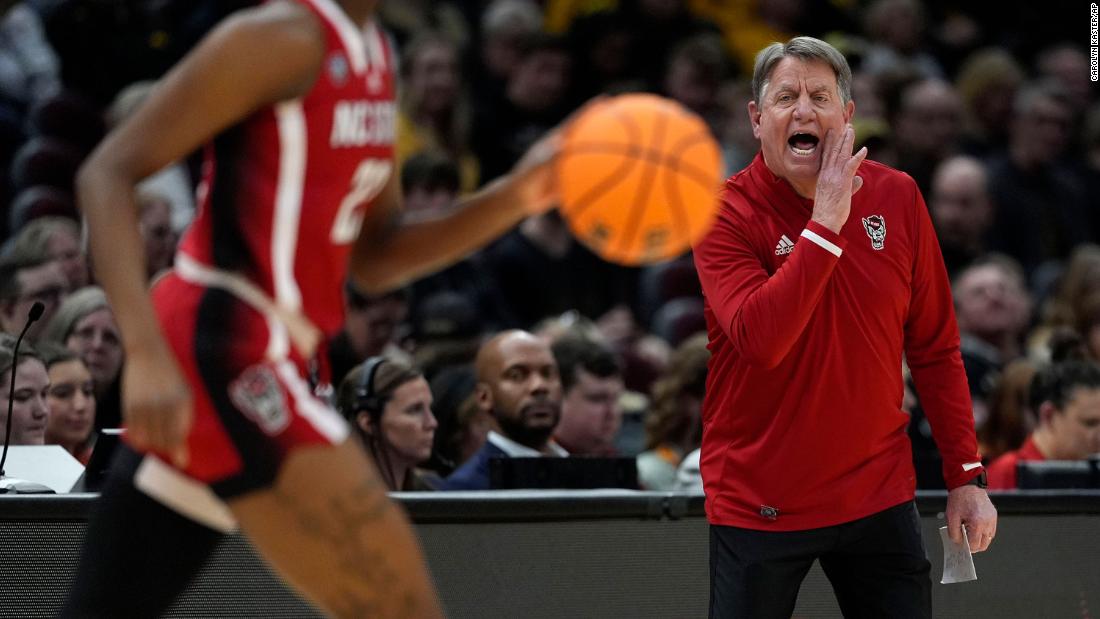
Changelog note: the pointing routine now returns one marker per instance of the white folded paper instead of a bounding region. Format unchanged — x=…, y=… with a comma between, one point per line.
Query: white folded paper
x=958, y=564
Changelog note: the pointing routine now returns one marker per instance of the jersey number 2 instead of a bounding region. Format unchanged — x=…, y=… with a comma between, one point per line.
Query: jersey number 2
x=367, y=182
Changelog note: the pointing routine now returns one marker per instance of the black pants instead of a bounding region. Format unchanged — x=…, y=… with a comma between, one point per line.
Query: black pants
x=138, y=555
x=876, y=565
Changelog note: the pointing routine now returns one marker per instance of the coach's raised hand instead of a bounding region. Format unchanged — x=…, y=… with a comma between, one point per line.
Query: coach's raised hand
x=836, y=181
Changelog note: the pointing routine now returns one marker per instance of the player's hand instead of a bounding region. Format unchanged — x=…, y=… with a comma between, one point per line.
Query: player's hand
x=156, y=402
x=533, y=176
x=836, y=181
x=970, y=506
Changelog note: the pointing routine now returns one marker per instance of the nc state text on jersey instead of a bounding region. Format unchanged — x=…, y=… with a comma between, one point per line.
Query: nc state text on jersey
x=362, y=123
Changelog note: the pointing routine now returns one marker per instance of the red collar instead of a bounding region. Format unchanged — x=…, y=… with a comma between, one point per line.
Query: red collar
x=770, y=184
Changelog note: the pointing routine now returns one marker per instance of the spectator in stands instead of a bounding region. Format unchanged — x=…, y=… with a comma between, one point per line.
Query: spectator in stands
x=674, y=425
x=505, y=25
x=370, y=329
x=534, y=101
x=961, y=211
x=926, y=128
x=406, y=19
x=1040, y=209
x=993, y=307
x=34, y=203
x=45, y=161
x=658, y=27
x=69, y=116
x=570, y=277
x=1008, y=421
x=155, y=226
x=1068, y=66
x=592, y=383
x=601, y=45
x=446, y=331
x=1078, y=283
x=1091, y=160
x=738, y=143
x=987, y=82
x=897, y=29
x=463, y=426
x=434, y=113
x=430, y=184
x=29, y=68
x=390, y=406
x=173, y=184
x=71, y=398
x=518, y=385
x=1065, y=398
x=86, y=325
x=29, y=411
x=1088, y=325
x=26, y=279
x=694, y=73
x=55, y=238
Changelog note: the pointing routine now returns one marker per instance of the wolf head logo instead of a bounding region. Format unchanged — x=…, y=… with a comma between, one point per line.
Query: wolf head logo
x=875, y=226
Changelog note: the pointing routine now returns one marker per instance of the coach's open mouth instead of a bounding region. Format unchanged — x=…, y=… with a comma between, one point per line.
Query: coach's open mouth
x=803, y=144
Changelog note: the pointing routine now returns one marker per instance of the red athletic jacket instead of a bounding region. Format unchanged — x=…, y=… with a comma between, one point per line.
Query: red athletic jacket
x=802, y=420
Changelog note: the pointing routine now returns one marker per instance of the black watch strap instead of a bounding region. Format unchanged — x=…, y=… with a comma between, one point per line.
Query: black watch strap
x=980, y=481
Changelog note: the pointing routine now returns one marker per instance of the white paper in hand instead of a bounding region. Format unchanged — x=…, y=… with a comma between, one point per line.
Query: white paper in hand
x=958, y=564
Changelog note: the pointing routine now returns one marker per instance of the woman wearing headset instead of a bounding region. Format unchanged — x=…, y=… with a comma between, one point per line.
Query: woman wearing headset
x=390, y=405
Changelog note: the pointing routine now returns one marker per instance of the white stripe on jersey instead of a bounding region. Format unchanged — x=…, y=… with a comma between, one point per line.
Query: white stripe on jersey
x=326, y=421
x=350, y=34
x=291, y=121
x=376, y=47
x=278, y=344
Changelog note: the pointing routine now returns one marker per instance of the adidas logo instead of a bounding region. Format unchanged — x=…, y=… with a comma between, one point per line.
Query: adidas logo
x=784, y=246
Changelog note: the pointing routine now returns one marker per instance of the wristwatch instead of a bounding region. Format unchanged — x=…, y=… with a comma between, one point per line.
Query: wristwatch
x=980, y=481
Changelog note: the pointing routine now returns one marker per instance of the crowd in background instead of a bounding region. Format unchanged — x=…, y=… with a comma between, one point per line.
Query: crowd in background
x=988, y=106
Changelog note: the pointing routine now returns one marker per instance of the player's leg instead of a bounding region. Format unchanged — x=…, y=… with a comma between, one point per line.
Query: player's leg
x=302, y=488
x=879, y=567
x=328, y=527
x=757, y=574
x=138, y=554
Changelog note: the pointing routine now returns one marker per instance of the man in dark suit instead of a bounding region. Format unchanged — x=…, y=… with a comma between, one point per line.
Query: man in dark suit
x=518, y=385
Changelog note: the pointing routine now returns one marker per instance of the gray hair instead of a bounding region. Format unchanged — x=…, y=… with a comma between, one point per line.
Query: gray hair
x=33, y=240
x=803, y=48
x=72, y=310
x=503, y=15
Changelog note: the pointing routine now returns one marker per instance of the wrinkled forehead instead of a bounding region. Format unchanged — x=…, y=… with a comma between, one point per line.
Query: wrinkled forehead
x=793, y=74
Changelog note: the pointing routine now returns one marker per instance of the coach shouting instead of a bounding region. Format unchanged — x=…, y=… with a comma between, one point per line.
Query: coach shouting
x=820, y=274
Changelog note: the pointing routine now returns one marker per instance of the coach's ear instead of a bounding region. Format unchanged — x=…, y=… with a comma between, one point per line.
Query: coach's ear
x=754, y=118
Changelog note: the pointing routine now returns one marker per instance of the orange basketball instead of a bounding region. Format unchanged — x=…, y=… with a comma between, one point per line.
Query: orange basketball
x=638, y=176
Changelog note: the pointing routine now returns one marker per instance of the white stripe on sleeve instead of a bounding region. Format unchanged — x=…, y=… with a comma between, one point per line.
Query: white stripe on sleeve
x=825, y=244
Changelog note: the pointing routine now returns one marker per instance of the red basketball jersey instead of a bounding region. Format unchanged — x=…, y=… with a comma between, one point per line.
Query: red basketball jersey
x=285, y=191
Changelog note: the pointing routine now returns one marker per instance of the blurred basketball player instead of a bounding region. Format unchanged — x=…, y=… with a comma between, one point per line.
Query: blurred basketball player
x=295, y=101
